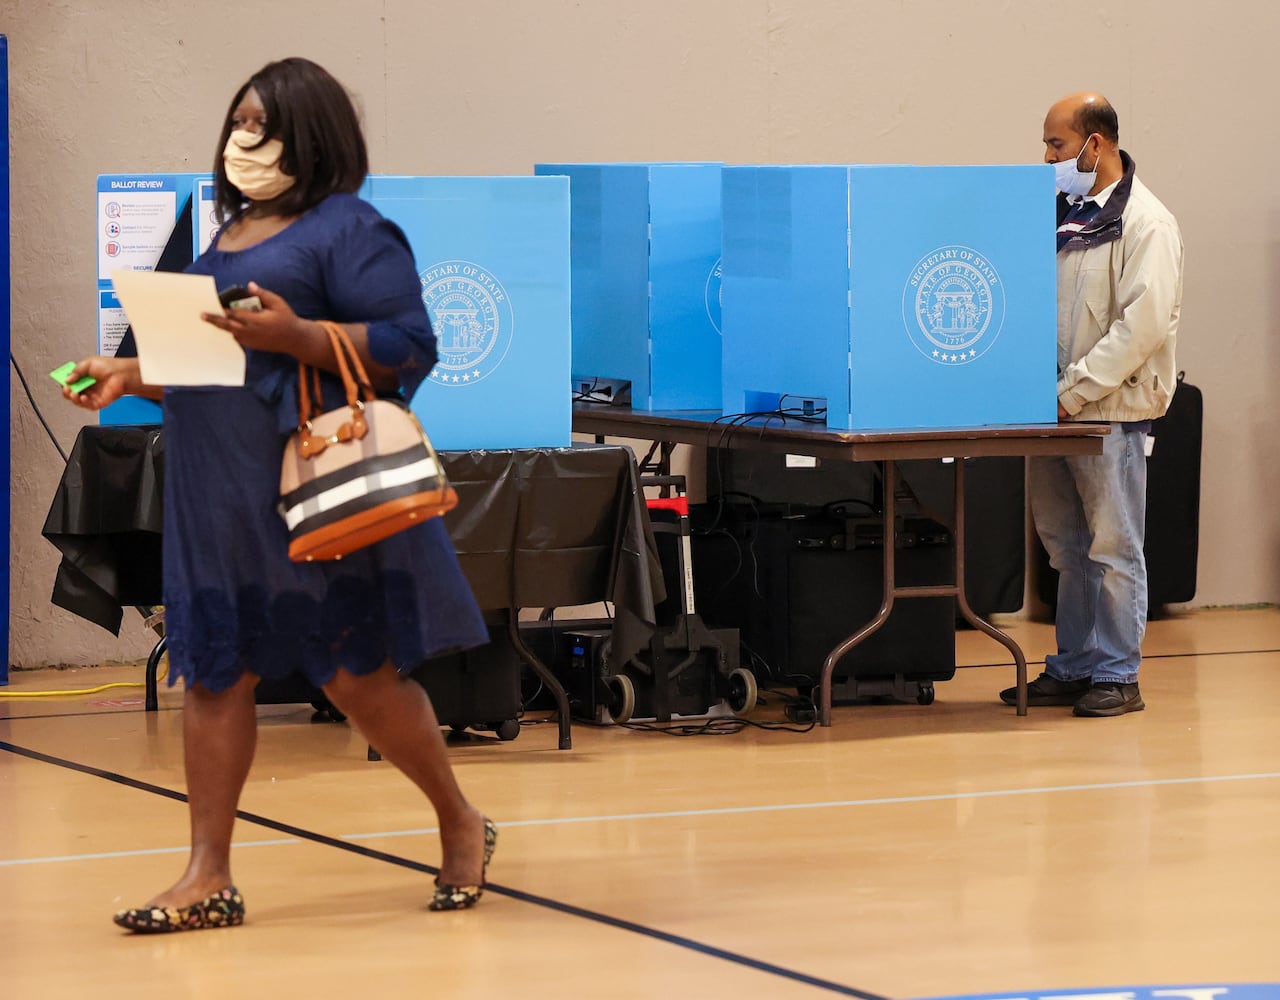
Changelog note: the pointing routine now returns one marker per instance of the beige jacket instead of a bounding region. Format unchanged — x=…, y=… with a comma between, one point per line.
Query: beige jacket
x=1118, y=306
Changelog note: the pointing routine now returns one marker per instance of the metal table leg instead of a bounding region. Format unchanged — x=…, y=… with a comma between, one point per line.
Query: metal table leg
x=892, y=592
x=153, y=671
x=547, y=677
x=979, y=623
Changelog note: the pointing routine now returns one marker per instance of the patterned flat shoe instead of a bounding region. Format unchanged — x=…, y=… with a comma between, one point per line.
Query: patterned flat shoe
x=463, y=897
x=222, y=909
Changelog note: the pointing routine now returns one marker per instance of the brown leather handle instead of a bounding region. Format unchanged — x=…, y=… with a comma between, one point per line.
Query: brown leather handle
x=347, y=359
x=309, y=397
x=345, y=353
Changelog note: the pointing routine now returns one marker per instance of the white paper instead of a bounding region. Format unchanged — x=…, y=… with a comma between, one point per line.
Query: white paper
x=175, y=346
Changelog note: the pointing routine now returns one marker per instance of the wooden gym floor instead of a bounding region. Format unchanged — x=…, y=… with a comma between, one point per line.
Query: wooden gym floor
x=906, y=852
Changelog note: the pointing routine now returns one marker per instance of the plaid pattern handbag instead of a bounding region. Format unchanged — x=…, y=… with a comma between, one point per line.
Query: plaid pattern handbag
x=353, y=476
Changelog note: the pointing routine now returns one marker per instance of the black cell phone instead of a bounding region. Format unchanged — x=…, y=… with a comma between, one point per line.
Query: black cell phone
x=238, y=297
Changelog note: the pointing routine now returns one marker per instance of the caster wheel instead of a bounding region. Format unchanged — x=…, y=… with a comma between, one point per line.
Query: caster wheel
x=925, y=695
x=507, y=730
x=742, y=691
x=622, y=700
x=458, y=727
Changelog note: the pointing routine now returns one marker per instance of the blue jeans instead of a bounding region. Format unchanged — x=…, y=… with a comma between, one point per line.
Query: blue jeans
x=1090, y=512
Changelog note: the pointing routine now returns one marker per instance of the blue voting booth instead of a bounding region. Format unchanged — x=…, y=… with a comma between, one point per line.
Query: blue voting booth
x=890, y=296
x=646, y=288
x=493, y=258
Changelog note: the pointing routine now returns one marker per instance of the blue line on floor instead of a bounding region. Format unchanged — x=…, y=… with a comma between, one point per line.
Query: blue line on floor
x=526, y=897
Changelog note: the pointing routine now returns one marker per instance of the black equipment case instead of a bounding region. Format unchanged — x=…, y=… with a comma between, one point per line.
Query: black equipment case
x=1173, y=499
x=797, y=581
x=478, y=688
x=995, y=522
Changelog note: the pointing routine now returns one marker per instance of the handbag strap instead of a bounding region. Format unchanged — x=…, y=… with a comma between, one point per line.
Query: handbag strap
x=339, y=342
x=309, y=397
x=355, y=380
x=345, y=353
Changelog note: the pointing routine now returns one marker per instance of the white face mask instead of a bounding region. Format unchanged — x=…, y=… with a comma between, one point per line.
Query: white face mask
x=256, y=172
x=1071, y=180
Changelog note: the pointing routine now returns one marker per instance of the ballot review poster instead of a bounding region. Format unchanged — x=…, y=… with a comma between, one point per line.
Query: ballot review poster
x=134, y=216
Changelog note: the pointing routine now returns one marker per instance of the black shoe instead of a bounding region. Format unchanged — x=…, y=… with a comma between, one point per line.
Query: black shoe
x=1045, y=691
x=1103, y=700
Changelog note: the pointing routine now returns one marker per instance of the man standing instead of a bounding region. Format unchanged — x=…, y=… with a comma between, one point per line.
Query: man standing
x=1119, y=295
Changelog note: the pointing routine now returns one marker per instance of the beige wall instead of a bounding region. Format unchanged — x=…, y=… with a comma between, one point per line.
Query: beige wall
x=493, y=86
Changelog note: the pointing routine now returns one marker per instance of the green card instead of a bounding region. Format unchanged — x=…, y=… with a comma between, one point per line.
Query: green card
x=63, y=372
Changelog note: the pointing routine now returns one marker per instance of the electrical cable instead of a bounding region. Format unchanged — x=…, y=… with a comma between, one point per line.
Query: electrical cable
x=83, y=691
x=40, y=416
x=810, y=415
x=594, y=393
x=702, y=727
x=713, y=727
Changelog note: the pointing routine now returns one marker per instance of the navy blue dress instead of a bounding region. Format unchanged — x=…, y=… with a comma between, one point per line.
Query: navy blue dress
x=234, y=601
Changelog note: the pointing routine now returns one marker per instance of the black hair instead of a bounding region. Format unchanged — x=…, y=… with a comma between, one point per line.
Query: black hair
x=311, y=114
x=1098, y=117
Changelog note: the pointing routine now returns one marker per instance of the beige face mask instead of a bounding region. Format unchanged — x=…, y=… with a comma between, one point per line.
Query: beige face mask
x=255, y=172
